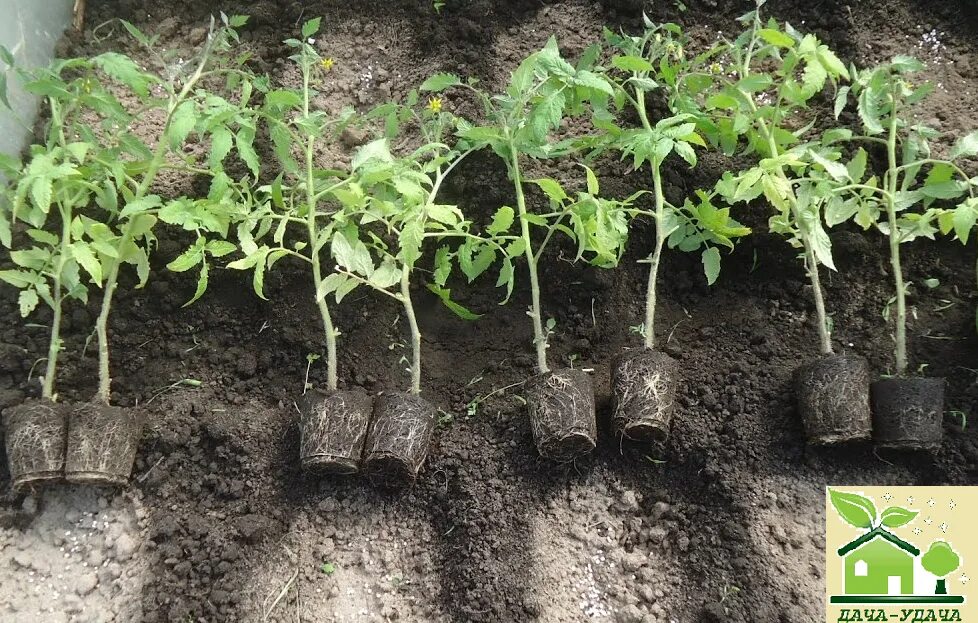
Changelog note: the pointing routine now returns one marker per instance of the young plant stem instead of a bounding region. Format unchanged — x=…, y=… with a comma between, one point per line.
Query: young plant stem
x=313, y=231
x=900, y=337
x=536, y=312
x=408, y=304
x=104, y=394
x=660, y=237
x=54, y=345
x=811, y=261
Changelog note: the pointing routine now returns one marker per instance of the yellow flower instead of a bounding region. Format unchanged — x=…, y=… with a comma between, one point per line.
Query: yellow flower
x=435, y=104
x=327, y=64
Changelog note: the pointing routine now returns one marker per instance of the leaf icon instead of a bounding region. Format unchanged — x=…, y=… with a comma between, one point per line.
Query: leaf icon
x=854, y=508
x=894, y=517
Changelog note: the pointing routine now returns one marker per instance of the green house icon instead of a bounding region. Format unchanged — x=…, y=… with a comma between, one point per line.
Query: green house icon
x=879, y=563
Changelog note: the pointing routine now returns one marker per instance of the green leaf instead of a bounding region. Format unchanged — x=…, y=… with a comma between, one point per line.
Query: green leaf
x=87, y=260
x=965, y=147
x=501, y=221
x=552, y=189
x=776, y=37
x=711, y=264
x=841, y=97
x=754, y=83
x=220, y=248
x=591, y=80
x=894, y=517
x=854, y=508
x=202, y=280
x=244, y=140
x=837, y=170
x=182, y=123
x=186, y=260
x=386, y=275
x=374, y=150
x=27, y=302
x=125, y=70
x=138, y=206
x=445, y=295
x=311, y=27
x=631, y=63
x=439, y=82
x=221, y=143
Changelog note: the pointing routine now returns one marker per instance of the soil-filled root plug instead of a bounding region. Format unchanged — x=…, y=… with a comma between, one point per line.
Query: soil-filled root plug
x=35, y=434
x=332, y=430
x=549, y=91
x=102, y=443
x=643, y=393
x=833, y=399
x=399, y=438
x=908, y=413
x=562, y=419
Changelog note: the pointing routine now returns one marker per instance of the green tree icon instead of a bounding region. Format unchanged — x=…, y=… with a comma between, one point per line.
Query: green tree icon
x=940, y=560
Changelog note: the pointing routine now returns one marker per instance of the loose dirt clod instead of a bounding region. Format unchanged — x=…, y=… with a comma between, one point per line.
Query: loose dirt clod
x=561, y=406
x=833, y=399
x=400, y=434
x=35, y=437
x=643, y=391
x=332, y=430
x=908, y=413
x=102, y=443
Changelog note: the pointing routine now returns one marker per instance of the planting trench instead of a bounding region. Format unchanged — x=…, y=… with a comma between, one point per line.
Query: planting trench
x=723, y=523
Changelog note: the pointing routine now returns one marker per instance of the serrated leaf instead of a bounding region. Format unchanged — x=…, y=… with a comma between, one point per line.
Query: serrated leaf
x=965, y=147
x=311, y=27
x=502, y=220
x=386, y=275
x=186, y=260
x=125, y=70
x=631, y=63
x=445, y=295
x=855, y=509
x=182, y=123
x=221, y=142
x=776, y=37
x=711, y=264
x=27, y=301
x=87, y=260
x=439, y=82
x=220, y=248
x=202, y=280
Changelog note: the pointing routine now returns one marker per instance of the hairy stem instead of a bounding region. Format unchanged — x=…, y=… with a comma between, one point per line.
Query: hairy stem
x=415, y=332
x=660, y=238
x=54, y=345
x=313, y=232
x=536, y=312
x=900, y=337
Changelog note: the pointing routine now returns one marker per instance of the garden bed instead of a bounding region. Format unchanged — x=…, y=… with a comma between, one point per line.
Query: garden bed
x=723, y=523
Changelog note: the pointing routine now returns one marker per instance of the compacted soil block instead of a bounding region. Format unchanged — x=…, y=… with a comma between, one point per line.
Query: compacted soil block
x=833, y=399
x=332, y=430
x=908, y=413
x=35, y=435
x=102, y=442
x=561, y=406
x=643, y=390
x=399, y=438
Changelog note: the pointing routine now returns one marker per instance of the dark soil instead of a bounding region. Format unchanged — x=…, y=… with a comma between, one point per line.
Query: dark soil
x=833, y=399
x=491, y=532
x=907, y=413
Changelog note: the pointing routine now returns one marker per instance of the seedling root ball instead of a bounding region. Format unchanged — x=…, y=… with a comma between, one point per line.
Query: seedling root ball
x=833, y=399
x=35, y=436
x=102, y=443
x=908, y=413
x=400, y=434
x=332, y=430
x=643, y=392
x=561, y=407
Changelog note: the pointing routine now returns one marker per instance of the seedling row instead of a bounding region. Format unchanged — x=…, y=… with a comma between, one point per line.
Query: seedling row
x=80, y=209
